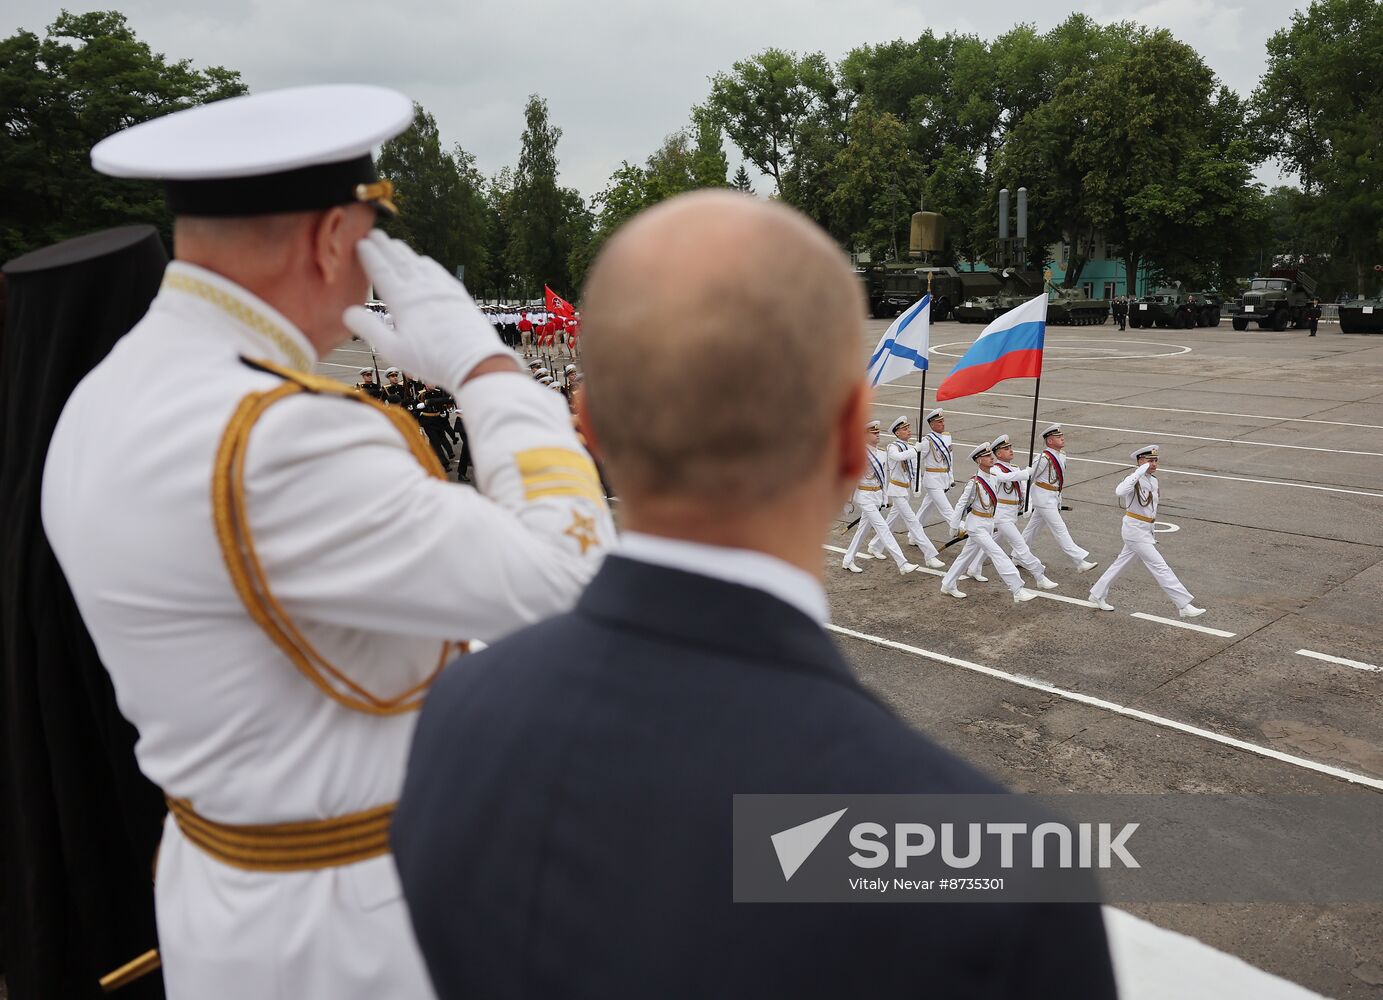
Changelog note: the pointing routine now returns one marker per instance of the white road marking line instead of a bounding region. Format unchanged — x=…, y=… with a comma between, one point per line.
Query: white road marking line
x=1146, y=433
x=1109, y=706
x=1181, y=624
x=1181, y=349
x=1203, y=413
x=1209, y=475
x=1339, y=659
x=333, y=364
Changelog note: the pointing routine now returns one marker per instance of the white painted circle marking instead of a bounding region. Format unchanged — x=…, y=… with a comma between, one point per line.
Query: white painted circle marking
x=1088, y=353
x=1167, y=526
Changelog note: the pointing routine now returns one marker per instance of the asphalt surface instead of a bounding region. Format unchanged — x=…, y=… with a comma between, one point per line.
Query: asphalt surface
x=1272, y=515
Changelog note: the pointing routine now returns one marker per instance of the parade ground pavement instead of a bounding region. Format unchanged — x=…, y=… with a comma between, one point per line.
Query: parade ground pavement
x=1271, y=514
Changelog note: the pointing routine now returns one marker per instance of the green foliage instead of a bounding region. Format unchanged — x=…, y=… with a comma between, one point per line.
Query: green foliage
x=442, y=203
x=546, y=221
x=741, y=182
x=878, y=175
x=59, y=95
x=1319, y=112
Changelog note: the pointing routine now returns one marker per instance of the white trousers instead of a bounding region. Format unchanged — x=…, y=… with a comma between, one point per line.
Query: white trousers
x=1007, y=530
x=902, y=508
x=980, y=540
x=935, y=501
x=1050, y=518
x=1146, y=550
x=872, y=520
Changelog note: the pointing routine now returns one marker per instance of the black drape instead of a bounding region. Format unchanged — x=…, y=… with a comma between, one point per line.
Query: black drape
x=79, y=824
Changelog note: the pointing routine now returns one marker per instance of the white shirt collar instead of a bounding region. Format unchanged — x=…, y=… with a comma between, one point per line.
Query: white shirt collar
x=266, y=332
x=742, y=566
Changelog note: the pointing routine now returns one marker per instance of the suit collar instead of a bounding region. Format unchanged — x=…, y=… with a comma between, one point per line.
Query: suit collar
x=694, y=610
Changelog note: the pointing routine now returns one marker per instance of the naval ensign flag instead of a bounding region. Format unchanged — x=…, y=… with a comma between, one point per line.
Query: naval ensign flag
x=903, y=348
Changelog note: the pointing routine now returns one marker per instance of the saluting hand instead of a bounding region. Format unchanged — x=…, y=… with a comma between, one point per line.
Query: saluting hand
x=439, y=333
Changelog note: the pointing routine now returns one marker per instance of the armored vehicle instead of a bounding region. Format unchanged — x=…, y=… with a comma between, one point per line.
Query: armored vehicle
x=1361, y=316
x=894, y=285
x=1277, y=301
x=1072, y=307
x=984, y=302
x=1175, y=307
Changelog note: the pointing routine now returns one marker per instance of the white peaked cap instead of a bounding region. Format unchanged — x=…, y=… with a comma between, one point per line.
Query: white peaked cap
x=873, y=425
x=1051, y=429
x=1000, y=441
x=983, y=448
x=1147, y=449
x=899, y=422
x=933, y=414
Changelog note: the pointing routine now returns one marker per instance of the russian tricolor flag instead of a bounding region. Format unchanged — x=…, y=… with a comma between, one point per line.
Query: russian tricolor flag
x=1010, y=347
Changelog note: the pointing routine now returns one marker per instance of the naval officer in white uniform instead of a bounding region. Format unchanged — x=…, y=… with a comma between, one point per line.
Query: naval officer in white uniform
x=938, y=467
x=1138, y=495
x=1005, y=523
x=274, y=567
x=902, y=473
x=869, y=496
x=974, y=512
x=1048, y=480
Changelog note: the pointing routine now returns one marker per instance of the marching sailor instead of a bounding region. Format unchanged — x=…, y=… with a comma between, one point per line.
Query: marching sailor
x=1048, y=480
x=1138, y=495
x=869, y=496
x=1006, y=519
x=369, y=386
x=974, y=516
x=938, y=467
x=231, y=573
x=902, y=470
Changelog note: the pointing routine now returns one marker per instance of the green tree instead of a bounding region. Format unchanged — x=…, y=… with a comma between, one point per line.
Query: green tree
x=877, y=177
x=1319, y=106
x=710, y=165
x=442, y=205
x=546, y=221
x=741, y=181
x=88, y=77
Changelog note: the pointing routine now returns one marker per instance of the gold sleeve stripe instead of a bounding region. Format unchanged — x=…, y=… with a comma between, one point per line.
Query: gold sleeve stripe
x=242, y=559
x=549, y=472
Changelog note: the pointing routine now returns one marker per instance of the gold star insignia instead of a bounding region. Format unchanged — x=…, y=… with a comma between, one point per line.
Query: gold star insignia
x=583, y=530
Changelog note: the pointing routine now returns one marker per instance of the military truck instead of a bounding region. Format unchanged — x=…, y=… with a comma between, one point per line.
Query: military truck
x=1361, y=316
x=894, y=285
x=1277, y=301
x=1175, y=307
x=1072, y=307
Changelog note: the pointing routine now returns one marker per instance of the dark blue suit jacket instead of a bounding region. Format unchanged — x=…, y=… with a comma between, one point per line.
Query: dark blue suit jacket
x=565, y=824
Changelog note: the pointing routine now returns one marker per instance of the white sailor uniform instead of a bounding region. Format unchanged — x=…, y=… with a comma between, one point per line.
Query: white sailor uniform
x=902, y=465
x=977, y=506
x=1048, y=480
x=1009, y=486
x=869, y=497
x=375, y=563
x=1138, y=495
x=938, y=475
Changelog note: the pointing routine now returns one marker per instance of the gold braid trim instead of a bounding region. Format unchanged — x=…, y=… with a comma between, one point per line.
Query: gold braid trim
x=242, y=561
x=288, y=847
x=241, y=312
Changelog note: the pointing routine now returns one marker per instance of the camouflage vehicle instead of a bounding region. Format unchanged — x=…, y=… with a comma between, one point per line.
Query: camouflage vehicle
x=1361, y=316
x=1072, y=307
x=984, y=302
x=1277, y=301
x=1175, y=307
x=894, y=285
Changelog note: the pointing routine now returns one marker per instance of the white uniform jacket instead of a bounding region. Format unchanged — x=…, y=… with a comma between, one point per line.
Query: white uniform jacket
x=870, y=489
x=902, y=463
x=938, y=465
x=374, y=560
x=1048, y=478
x=1008, y=483
x=1137, y=494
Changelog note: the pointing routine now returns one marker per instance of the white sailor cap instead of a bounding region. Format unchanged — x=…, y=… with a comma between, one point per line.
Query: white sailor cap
x=1000, y=441
x=296, y=150
x=933, y=414
x=1050, y=430
x=542, y=371
x=392, y=371
x=569, y=369
x=553, y=385
x=1145, y=451
x=898, y=422
x=873, y=425
x=981, y=449
x=534, y=363
x=367, y=371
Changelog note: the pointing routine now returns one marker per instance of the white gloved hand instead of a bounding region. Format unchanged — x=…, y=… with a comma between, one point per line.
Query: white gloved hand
x=438, y=332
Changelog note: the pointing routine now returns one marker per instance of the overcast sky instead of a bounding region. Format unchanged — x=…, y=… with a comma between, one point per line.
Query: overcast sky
x=618, y=75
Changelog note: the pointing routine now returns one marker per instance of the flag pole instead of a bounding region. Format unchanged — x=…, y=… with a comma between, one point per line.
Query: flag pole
x=1032, y=438
x=921, y=422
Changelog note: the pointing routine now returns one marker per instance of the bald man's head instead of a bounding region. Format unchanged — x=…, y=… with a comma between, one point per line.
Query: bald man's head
x=722, y=338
